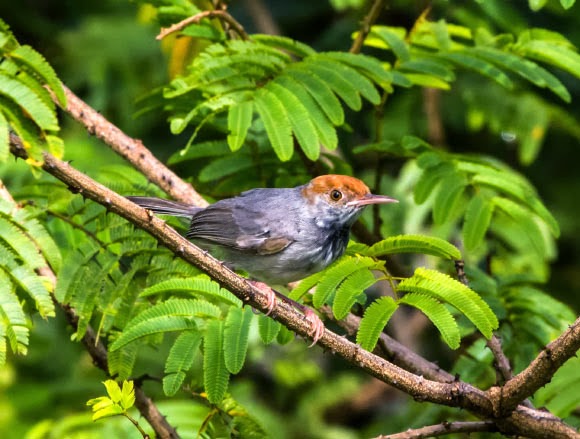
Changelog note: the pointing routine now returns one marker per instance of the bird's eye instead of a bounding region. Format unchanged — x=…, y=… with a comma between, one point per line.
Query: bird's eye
x=335, y=195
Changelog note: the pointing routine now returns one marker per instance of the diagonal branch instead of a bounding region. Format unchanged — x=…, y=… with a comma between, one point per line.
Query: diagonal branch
x=131, y=149
x=457, y=394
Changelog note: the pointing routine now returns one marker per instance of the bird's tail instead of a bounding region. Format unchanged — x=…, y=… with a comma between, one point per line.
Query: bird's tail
x=166, y=207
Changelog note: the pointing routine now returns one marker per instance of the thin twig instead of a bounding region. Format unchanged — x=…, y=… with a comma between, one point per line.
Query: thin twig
x=443, y=429
x=376, y=9
x=221, y=14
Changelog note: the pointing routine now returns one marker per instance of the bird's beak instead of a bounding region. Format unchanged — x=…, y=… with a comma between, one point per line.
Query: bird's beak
x=372, y=199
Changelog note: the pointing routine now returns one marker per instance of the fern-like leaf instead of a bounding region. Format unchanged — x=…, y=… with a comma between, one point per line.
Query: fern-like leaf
x=236, y=332
x=154, y=325
x=428, y=245
x=215, y=373
x=477, y=219
x=336, y=273
x=195, y=286
x=276, y=123
x=179, y=360
x=374, y=320
x=438, y=314
x=268, y=329
x=300, y=120
x=239, y=121
x=348, y=291
x=320, y=91
x=444, y=288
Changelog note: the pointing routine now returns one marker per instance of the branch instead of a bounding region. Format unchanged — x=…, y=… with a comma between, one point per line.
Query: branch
x=131, y=149
x=541, y=370
x=372, y=16
x=221, y=14
x=456, y=394
x=443, y=429
x=98, y=351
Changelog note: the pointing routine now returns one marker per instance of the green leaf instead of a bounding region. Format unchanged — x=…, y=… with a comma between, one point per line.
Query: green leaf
x=536, y=5
x=324, y=128
x=180, y=360
x=320, y=91
x=442, y=287
x=519, y=190
x=300, y=120
x=355, y=78
x=215, y=373
x=276, y=123
x=305, y=285
x=239, y=121
x=156, y=325
x=268, y=328
x=428, y=245
x=336, y=273
x=478, y=65
x=237, y=328
x=33, y=285
x=428, y=66
x=349, y=290
x=393, y=41
x=447, y=200
x=113, y=390
x=214, y=148
x=367, y=65
x=374, y=320
x=438, y=314
x=33, y=105
x=555, y=54
x=285, y=43
x=194, y=286
x=525, y=68
x=525, y=220
x=441, y=34
x=21, y=244
x=127, y=395
x=477, y=219
x=430, y=179
x=567, y=4
x=29, y=59
x=226, y=166
x=336, y=81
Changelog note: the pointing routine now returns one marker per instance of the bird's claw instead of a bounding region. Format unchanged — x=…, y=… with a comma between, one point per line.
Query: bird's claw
x=269, y=293
x=316, y=324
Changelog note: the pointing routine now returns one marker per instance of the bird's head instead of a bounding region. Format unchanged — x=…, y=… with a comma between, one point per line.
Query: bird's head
x=340, y=199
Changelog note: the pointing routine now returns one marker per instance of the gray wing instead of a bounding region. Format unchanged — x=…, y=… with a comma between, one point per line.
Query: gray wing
x=241, y=223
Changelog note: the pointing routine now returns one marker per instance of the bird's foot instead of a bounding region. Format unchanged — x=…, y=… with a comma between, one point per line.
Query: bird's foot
x=318, y=327
x=268, y=292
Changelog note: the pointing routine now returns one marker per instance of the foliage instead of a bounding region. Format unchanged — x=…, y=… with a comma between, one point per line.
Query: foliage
x=25, y=105
x=271, y=110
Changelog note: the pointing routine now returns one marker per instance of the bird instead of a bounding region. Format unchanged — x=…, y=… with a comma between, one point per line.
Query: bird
x=277, y=235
